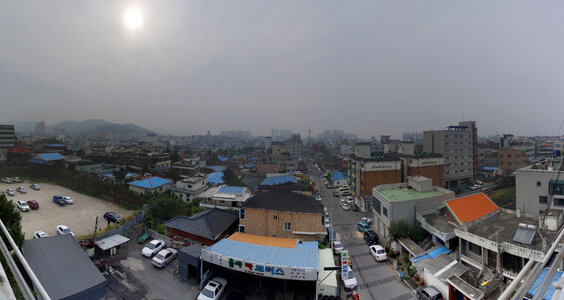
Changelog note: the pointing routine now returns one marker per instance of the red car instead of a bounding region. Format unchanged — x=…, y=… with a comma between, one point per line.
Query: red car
x=33, y=204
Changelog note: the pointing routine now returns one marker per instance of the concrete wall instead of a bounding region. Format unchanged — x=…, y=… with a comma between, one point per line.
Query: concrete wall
x=437, y=283
x=263, y=222
x=530, y=185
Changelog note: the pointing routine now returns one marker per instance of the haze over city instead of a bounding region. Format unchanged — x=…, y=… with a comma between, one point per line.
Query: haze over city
x=369, y=68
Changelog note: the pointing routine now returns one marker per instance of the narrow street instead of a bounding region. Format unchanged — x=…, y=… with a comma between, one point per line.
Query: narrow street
x=376, y=280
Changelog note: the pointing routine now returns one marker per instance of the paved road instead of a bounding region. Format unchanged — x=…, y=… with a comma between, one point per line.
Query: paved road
x=375, y=280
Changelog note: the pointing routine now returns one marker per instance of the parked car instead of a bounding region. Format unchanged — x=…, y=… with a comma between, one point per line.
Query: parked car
x=10, y=192
x=7, y=180
x=39, y=234
x=336, y=194
x=346, y=206
x=59, y=200
x=318, y=198
x=16, y=179
x=378, y=252
x=63, y=229
x=348, y=278
x=337, y=247
x=346, y=193
x=22, y=205
x=68, y=200
x=355, y=207
x=475, y=187
x=342, y=201
x=21, y=189
x=33, y=204
x=344, y=188
x=350, y=199
x=164, y=257
x=371, y=238
x=35, y=186
x=112, y=216
x=214, y=289
x=428, y=292
x=153, y=248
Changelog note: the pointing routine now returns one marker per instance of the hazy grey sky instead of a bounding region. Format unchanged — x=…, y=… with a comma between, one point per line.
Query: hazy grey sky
x=368, y=67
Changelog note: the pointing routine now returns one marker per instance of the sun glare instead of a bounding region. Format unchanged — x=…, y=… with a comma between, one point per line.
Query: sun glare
x=133, y=18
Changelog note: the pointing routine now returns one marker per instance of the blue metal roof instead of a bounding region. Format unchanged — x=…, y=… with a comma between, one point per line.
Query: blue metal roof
x=550, y=291
x=252, y=158
x=36, y=161
x=437, y=252
x=491, y=168
x=150, y=183
x=276, y=180
x=250, y=165
x=215, y=177
x=221, y=158
x=50, y=156
x=303, y=256
x=237, y=190
x=216, y=168
x=338, y=176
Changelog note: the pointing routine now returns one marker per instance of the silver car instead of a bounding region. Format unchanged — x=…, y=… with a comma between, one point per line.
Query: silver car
x=10, y=192
x=429, y=292
x=164, y=257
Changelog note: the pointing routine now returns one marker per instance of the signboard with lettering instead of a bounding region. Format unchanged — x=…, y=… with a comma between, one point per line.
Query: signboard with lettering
x=259, y=269
x=422, y=162
x=382, y=166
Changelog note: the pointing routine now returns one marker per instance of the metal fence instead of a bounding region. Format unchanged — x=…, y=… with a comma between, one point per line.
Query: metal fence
x=124, y=227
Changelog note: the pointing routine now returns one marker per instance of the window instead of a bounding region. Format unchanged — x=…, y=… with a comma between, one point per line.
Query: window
x=242, y=228
x=556, y=187
x=274, y=217
x=287, y=226
x=538, y=183
x=241, y=214
x=322, y=220
x=543, y=199
x=385, y=211
x=474, y=248
x=558, y=202
x=508, y=155
x=377, y=205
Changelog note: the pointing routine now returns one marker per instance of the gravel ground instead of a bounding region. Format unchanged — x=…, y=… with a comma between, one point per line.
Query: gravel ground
x=80, y=217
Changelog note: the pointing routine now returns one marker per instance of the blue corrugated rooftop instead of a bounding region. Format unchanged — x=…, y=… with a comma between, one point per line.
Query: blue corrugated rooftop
x=50, y=156
x=150, y=183
x=276, y=180
x=303, y=256
x=215, y=177
x=237, y=190
x=216, y=168
x=338, y=176
x=550, y=291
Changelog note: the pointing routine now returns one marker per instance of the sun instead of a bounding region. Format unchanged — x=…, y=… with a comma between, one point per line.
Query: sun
x=133, y=18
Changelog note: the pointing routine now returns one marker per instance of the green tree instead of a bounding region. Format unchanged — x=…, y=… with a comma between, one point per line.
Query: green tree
x=211, y=158
x=174, y=156
x=80, y=153
x=398, y=229
x=305, y=185
x=10, y=216
x=120, y=174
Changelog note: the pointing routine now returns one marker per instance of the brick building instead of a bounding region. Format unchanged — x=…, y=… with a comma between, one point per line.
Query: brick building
x=428, y=165
x=206, y=227
x=282, y=213
x=510, y=159
x=263, y=168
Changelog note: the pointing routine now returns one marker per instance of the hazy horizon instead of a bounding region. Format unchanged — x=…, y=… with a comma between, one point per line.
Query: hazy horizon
x=368, y=68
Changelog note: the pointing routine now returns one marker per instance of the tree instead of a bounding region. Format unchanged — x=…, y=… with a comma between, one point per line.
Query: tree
x=10, y=216
x=305, y=185
x=174, y=156
x=230, y=178
x=211, y=158
x=80, y=153
x=120, y=174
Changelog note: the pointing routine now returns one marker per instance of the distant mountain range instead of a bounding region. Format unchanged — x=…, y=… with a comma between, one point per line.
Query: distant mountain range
x=86, y=127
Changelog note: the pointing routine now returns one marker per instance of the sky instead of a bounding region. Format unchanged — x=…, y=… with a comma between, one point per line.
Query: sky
x=365, y=67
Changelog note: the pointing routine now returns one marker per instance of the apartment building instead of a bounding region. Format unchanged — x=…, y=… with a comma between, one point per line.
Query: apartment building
x=7, y=140
x=540, y=187
x=510, y=159
x=459, y=147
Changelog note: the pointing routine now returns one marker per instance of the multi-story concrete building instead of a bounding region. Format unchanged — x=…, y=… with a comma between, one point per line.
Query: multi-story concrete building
x=400, y=201
x=540, y=187
x=458, y=145
x=510, y=159
x=187, y=167
x=278, y=148
x=527, y=145
x=7, y=140
x=225, y=197
x=190, y=188
x=282, y=213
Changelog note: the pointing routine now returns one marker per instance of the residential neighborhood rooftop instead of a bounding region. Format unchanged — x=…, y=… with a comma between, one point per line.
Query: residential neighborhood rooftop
x=276, y=180
x=209, y=223
x=283, y=200
x=150, y=182
x=470, y=208
x=406, y=194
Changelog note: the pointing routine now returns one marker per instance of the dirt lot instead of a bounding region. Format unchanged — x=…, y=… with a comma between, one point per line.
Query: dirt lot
x=80, y=217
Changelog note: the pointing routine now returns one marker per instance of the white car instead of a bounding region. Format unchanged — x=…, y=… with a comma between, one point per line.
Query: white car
x=7, y=180
x=337, y=247
x=39, y=234
x=342, y=201
x=22, y=205
x=348, y=278
x=475, y=187
x=214, y=289
x=35, y=186
x=350, y=199
x=16, y=179
x=318, y=198
x=68, y=200
x=10, y=192
x=378, y=252
x=63, y=229
x=153, y=248
x=21, y=189
x=346, y=206
x=164, y=257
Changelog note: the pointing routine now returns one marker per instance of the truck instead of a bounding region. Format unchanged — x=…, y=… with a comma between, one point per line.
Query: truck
x=58, y=199
x=364, y=224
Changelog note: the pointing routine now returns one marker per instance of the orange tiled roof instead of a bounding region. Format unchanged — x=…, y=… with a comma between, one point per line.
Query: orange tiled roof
x=470, y=208
x=263, y=240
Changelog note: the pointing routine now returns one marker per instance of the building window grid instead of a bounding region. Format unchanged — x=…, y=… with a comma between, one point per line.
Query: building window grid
x=287, y=226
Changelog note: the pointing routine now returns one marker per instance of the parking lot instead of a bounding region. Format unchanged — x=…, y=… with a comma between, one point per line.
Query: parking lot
x=80, y=217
